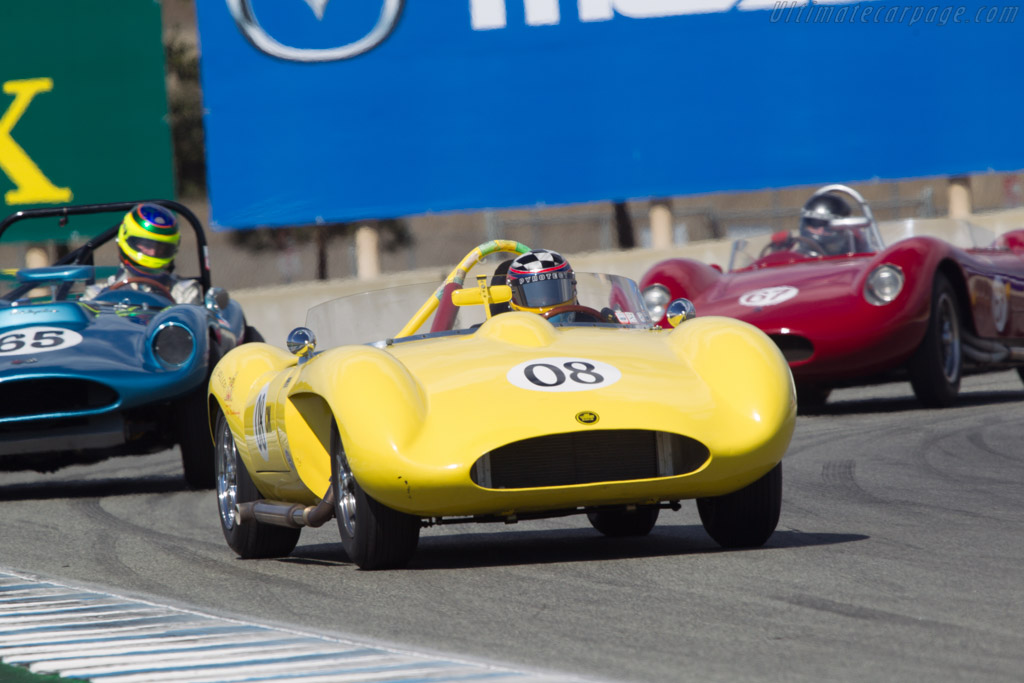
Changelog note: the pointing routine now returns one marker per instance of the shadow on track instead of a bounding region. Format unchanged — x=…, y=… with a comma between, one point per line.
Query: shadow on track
x=98, y=488
x=909, y=403
x=472, y=550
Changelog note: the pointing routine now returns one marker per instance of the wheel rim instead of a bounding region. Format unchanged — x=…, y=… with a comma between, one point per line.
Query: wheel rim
x=346, y=493
x=227, y=475
x=949, y=336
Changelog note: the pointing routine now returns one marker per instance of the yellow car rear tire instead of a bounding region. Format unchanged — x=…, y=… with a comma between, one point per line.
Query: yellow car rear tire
x=250, y=539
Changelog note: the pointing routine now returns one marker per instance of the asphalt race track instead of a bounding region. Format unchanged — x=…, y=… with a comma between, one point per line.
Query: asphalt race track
x=899, y=557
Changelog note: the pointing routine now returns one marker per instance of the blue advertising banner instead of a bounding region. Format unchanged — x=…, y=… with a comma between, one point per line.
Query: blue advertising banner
x=330, y=111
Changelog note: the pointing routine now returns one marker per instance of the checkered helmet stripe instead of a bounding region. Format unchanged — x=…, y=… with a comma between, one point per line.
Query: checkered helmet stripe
x=540, y=279
x=537, y=261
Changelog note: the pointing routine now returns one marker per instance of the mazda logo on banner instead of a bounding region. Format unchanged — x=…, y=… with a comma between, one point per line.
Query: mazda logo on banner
x=262, y=40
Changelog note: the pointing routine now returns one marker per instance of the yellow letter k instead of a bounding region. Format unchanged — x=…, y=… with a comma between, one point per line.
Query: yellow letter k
x=31, y=186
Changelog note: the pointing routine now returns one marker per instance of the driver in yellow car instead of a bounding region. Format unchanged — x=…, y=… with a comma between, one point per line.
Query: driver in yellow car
x=148, y=241
x=541, y=280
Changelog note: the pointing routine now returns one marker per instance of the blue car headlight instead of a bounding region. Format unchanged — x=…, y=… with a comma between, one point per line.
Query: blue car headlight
x=883, y=285
x=174, y=344
x=656, y=297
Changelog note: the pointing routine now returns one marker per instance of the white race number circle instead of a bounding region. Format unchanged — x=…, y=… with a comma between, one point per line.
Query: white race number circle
x=769, y=296
x=38, y=339
x=563, y=374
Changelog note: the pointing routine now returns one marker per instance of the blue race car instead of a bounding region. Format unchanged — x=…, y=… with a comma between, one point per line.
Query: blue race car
x=124, y=372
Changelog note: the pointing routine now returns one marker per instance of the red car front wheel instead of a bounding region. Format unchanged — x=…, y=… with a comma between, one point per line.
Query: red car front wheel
x=936, y=366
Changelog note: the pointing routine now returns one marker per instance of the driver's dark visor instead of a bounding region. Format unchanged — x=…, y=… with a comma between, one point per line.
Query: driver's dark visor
x=533, y=292
x=824, y=224
x=154, y=248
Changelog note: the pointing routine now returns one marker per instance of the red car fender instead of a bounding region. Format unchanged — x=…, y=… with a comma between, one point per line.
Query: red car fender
x=920, y=258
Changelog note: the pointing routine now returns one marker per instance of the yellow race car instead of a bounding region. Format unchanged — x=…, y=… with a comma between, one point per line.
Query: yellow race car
x=480, y=411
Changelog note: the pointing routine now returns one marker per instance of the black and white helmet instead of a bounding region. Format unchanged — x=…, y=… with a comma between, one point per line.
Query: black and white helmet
x=541, y=279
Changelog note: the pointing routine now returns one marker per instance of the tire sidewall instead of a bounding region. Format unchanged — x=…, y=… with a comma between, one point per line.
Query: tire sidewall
x=927, y=365
x=197, y=448
x=745, y=518
x=622, y=523
x=352, y=540
x=250, y=539
x=245, y=490
x=380, y=537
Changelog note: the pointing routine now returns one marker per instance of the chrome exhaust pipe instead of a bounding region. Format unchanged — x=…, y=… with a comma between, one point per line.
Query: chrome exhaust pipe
x=990, y=351
x=293, y=515
x=987, y=345
x=979, y=356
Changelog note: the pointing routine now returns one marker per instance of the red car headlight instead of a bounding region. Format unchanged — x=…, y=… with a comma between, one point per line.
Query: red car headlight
x=883, y=285
x=656, y=298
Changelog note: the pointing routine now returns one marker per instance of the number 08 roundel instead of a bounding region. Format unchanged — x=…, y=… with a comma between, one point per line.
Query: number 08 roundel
x=563, y=374
x=26, y=340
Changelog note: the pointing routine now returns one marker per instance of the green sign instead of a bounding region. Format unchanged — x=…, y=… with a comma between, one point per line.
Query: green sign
x=83, y=109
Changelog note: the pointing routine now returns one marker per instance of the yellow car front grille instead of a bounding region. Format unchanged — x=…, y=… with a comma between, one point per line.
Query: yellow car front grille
x=588, y=457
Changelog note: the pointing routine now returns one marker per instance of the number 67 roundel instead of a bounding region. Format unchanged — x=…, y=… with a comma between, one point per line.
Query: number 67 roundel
x=37, y=340
x=563, y=374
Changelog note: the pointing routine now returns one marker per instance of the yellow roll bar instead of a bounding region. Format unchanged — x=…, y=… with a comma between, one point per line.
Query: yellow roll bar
x=458, y=276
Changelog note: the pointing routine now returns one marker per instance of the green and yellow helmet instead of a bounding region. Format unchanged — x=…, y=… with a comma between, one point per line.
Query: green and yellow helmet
x=148, y=237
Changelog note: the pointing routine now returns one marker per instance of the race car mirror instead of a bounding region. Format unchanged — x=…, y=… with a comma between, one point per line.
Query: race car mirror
x=680, y=310
x=301, y=342
x=473, y=296
x=217, y=299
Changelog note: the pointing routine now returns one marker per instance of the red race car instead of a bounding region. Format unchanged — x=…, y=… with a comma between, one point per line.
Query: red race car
x=847, y=310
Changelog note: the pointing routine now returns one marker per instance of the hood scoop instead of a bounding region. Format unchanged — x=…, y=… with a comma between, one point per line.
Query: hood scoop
x=519, y=329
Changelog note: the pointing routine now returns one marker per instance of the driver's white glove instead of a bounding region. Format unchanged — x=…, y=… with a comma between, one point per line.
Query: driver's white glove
x=91, y=291
x=95, y=289
x=187, y=292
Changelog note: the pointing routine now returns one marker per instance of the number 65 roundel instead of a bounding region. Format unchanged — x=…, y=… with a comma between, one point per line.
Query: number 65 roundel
x=563, y=374
x=38, y=339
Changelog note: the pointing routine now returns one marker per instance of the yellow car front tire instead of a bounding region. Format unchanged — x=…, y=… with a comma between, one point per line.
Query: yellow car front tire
x=622, y=522
x=744, y=518
x=374, y=536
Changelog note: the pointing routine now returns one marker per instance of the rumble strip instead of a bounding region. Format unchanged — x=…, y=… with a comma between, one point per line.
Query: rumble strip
x=55, y=629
